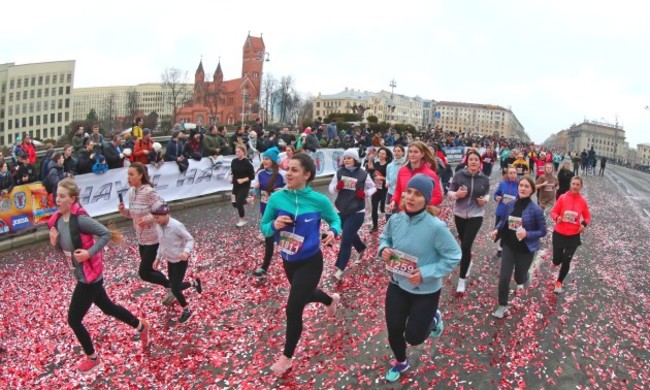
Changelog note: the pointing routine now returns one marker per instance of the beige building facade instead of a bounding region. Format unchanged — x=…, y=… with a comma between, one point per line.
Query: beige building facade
x=643, y=154
x=607, y=140
x=480, y=119
x=35, y=99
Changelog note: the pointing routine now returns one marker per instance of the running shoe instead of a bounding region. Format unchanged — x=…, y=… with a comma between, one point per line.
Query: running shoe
x=558, y=288
x=331, y=309
x=439, y=327
x=185, y=315
x=461, y=286
x=197, y=285
x=88, y=365
x=396, y=370
x=241, y=223
x=144, y=334
x=338, y=275
x=282, y=365
x=260, y=272
x=500, y=311
x=169, y=298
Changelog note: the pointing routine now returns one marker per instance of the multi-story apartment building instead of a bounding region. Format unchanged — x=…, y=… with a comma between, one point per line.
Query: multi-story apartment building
x=112, y=102
x=387, y=107
x=480, y=119
x=607, y=140
x=643, y=155
x=36, y=99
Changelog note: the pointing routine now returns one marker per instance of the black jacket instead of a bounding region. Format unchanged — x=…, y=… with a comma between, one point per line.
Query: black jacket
x=25, y=170
x=6, y=182
x=85, y=163
x=112, y=156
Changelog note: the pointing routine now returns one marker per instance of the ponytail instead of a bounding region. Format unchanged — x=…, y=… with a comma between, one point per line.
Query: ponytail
x=116, y=234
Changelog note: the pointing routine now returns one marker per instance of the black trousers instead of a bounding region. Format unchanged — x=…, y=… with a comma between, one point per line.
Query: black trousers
x=378, y=202
x=513, y=260
x=241, y=194
x=467, y=231
x=409, y=318
x=146, y=272
x=303, y=276
x=83, y=297
x=562, y=257
x=176, y=273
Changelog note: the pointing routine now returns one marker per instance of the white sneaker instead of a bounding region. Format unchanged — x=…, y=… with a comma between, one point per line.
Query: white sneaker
x=461, y=285
x=261, y=237
x=500, y=311
x=331, y=309
x=338, y=275
x=241, y=223
x=469, y=270
x=169, y=298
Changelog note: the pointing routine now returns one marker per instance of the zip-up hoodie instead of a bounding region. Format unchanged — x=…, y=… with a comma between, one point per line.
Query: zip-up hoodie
x=570, y=201
x=477, y=185
x=174, y=239
x=78, y=233
x=406, y=173
x=506, y=187
x=391, y=174
x=306, y=207
x=262, y=179
x=427, y=238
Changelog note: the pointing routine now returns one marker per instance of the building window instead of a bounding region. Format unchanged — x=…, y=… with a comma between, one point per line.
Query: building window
x=24, y=95
x=60, y=106
x=67, y=116
x=31, y=121
x=45, y=107
x=54, y=79
x=53, y=91
x=11, y=84
x=10, y=125
x=52, y=118
x=33, y=81
x=45, y=119
x=47, y=80
x=255, y=75
x=58, y=130
x=39, y=93
x=24, y=121
x=31, y=94
x=59, y=117
x=38, y=133
x=40, y=80
x=31, y=108
x=17, y=109
x=38, y=120
x=19, y=84
x=67, y=90
x=44, y=133
x=68, y=77
x=67, y=103
x=47, y=92
x=11, y=96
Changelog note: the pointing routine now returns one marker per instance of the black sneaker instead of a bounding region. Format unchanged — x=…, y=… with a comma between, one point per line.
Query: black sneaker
x=260, y=272
x=197, y=285
x=499, y=253
x=185, y=316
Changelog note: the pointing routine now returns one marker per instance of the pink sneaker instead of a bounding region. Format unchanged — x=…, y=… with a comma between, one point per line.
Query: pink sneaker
x=88, y=365
x=144, y=335
x=282, y=365
x=331, y=309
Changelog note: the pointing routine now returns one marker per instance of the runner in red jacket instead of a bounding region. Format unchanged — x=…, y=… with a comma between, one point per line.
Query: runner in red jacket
x=421, y=160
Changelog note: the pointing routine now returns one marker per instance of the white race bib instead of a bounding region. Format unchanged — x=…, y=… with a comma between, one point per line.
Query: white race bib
x=264, y=197
x=290, y=243
x=570, y=216
x=401, y=263
x=514, y=223
x=349, y=183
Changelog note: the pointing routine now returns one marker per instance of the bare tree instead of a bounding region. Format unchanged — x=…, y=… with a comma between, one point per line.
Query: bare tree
x=286, y=98
x=212, y=100
x=132, y=103
x=268, y=87
x=306, y=110
x=174, y=82
x=109, y=112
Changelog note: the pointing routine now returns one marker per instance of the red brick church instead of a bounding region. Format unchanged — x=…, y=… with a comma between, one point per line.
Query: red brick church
x=219, y=101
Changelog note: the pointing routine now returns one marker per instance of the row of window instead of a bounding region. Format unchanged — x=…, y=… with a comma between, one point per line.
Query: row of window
x=47, y=105
x=47, y=133
x=38, y=93
x=19, y=123
x=25, y=82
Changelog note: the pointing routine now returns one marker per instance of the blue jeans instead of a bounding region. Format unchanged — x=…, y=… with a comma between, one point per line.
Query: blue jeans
x=351, y=225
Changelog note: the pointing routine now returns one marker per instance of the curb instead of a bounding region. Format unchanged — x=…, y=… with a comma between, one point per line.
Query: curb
x=42, y=234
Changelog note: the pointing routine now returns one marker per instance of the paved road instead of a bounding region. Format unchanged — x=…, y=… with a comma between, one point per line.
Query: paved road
x=634, y=186
x=593, y=336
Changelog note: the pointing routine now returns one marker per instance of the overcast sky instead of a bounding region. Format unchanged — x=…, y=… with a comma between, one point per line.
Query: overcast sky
x=554, y=63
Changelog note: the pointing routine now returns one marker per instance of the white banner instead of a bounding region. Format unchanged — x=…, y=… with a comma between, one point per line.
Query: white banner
x=99, y=193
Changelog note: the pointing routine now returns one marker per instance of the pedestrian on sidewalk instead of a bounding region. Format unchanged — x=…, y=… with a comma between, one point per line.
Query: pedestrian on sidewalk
x=419, y=251
x=293, y=216
x=571, y=216
x=82, y=239
x=242, y=174
x=470, y=190
x=142, y=196
x=352, y=185
x=268, y=180
x=506, y=192
x=520, y=229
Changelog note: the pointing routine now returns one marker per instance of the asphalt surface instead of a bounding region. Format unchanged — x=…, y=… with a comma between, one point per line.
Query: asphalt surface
x=594, y=335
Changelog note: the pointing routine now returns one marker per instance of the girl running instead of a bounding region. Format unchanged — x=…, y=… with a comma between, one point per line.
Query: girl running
x=378, y=171
x=469, y=188
x=142, y=196
x=571, y=216
x=521, y=227
x=391, y=174
x=351, y=184
x=546, y=185
x=269, y=179
x=242, y=173
x=419, y=250
x=506, y=192
x=176, y=244
x=73, y=232
x=293, y=216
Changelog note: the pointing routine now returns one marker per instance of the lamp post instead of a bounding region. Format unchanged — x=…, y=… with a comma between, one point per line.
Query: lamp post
x=244, y=97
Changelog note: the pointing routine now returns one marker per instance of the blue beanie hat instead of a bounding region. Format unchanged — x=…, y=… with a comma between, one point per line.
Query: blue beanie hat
x=272, y=154
x=424, y=185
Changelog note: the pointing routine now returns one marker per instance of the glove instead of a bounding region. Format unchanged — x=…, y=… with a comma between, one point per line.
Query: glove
x=339, y=185
x=361, y=194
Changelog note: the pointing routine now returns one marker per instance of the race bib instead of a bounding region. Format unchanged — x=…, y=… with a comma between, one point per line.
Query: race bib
x=233, y=199
x=379, y=184
x=507, y=198
x=290, y=243
x=487, y=160
x=349, y=183
x=401, y=263
x=264, y=197
x=570, y=216
x=549, y=187
x=520, y=170
x=514, y=223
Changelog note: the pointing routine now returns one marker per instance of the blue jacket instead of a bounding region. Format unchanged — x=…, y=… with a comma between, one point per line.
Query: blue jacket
x=506, y=187
x=306, y=207
x=532, y=219
x=391, y=175
x=427, y=238
x=174, y=150
x=262, y=180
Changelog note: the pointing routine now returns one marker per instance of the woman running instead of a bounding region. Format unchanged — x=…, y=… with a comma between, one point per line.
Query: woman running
x=419, y=250
x=546, y=185
x=564, y=177
x=242, y=173
x=488, y=159
x=521, y=227
x=142, y=196
x=378, y=171
x=571, y=216
x=176, y=244
x=469, y=188
x=391, y=173
x=269, y=179
x=351, y=184
x=506, y=192
x=293, y=216
x=73, y=232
